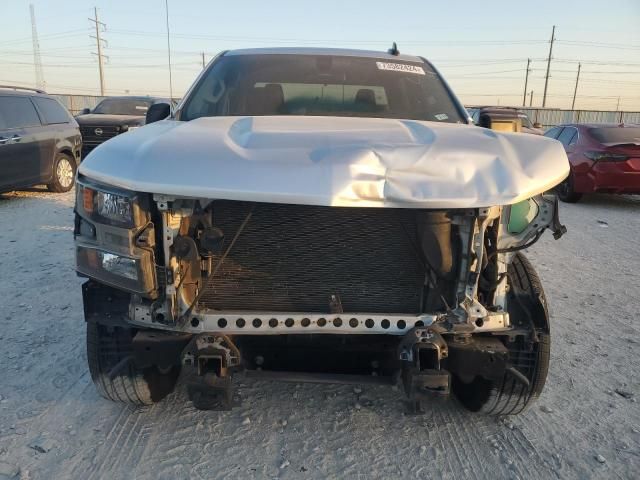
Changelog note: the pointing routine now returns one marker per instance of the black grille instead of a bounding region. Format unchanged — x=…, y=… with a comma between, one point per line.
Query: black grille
x=90, y=139
x=295, y=257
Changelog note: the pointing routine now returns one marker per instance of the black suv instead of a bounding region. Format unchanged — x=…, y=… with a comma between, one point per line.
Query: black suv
x=111, y=117
x=39, y=141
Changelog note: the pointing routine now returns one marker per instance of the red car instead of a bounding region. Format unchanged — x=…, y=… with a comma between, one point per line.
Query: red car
x=604, y=158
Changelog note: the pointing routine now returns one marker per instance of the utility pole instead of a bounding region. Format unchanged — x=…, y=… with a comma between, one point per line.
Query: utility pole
x=575, y=90
x=546, y=78
x=166, y=6
x=526, y=81
x=99, y=43
x=531, y=99
x=37, y=61
x=203, y=63
x=618, y=105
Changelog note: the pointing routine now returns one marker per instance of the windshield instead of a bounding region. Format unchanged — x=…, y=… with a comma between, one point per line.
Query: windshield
x=274, y=84
x=616, y=134
x=123, y=106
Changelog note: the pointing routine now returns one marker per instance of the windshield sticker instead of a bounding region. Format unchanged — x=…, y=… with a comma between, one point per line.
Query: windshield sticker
x=400, y=67
x=441, y=116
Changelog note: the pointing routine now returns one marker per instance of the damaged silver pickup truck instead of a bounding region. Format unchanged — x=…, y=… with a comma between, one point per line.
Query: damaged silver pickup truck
x=317, y=215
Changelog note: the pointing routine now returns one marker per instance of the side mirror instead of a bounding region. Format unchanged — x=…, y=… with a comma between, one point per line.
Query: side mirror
x=84, y=111
x=537, y=125
x=157, y=111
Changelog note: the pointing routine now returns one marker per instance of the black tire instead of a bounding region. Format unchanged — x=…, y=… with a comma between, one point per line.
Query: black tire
x=527, y=308
x=566, y=192
x=63, y=166
x=118, y=379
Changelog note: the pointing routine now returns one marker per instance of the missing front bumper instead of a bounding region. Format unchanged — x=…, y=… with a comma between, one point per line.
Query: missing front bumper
x=279, y=323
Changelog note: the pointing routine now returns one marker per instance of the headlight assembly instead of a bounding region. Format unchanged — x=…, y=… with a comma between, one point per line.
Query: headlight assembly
x=114, y=237
x=118, y=265
x=133, y=274
x=114, y=207
x=111, y=206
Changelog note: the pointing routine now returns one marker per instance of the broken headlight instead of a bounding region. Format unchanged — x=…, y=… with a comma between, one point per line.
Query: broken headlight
x=112, y=206
x=114, y=237
x=127, y=273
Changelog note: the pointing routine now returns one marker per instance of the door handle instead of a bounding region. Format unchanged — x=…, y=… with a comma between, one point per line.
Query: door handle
x=16, y=138
x=3, y=140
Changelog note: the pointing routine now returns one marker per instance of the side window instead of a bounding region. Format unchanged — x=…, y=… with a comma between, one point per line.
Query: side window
x=51, y=111
x=567, y=135
x=553, y=133
x=18, y=112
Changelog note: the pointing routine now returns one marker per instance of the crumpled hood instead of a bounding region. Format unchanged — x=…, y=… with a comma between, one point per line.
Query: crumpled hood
x=335, y=161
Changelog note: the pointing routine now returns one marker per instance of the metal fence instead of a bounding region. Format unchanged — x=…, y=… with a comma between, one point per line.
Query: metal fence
x=75, y=103
x=548, y=117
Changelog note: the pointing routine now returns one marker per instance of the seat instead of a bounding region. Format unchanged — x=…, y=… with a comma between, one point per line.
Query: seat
x=365, y=100
x=267, y=100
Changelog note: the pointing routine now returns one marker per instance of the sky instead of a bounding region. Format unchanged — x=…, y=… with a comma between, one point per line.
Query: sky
x=481, y=47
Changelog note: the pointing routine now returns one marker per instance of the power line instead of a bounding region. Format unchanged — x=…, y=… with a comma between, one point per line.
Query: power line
x=342, y=41
x=51, y=36
x=596, y=62
x=620, y=46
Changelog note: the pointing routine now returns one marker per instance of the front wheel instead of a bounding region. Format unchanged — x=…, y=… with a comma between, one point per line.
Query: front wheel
x=566, y=192
x=64, y=172
x=109, y=354
x=529, y=356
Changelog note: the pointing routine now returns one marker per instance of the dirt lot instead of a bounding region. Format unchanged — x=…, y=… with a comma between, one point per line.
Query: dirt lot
x=586, y=424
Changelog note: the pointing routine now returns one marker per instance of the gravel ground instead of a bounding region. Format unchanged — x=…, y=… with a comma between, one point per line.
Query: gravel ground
x=586, y=424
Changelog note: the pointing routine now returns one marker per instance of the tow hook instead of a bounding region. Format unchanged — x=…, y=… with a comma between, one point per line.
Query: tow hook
x=208, y=362
x=421, y=351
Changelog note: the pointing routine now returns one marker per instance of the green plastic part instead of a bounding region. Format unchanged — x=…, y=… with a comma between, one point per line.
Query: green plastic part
x=521, y=216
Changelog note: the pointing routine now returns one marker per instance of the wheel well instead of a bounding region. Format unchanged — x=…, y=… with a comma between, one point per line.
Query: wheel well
x=66, y=151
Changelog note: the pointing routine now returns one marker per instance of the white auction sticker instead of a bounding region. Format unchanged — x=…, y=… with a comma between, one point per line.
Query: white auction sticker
x=400, y=67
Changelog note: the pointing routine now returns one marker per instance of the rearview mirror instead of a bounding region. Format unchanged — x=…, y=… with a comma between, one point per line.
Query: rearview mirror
x=537, y=125
x=158, y=111
x=84, y=111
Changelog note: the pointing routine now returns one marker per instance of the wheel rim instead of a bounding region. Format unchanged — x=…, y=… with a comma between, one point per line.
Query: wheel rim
x=64, y=173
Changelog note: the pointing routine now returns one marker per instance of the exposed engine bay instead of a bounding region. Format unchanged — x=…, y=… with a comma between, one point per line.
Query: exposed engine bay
x=271, y=289
x=245, y=267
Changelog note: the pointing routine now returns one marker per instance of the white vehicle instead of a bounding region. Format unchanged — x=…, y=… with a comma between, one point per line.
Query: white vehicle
x=317, y=215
